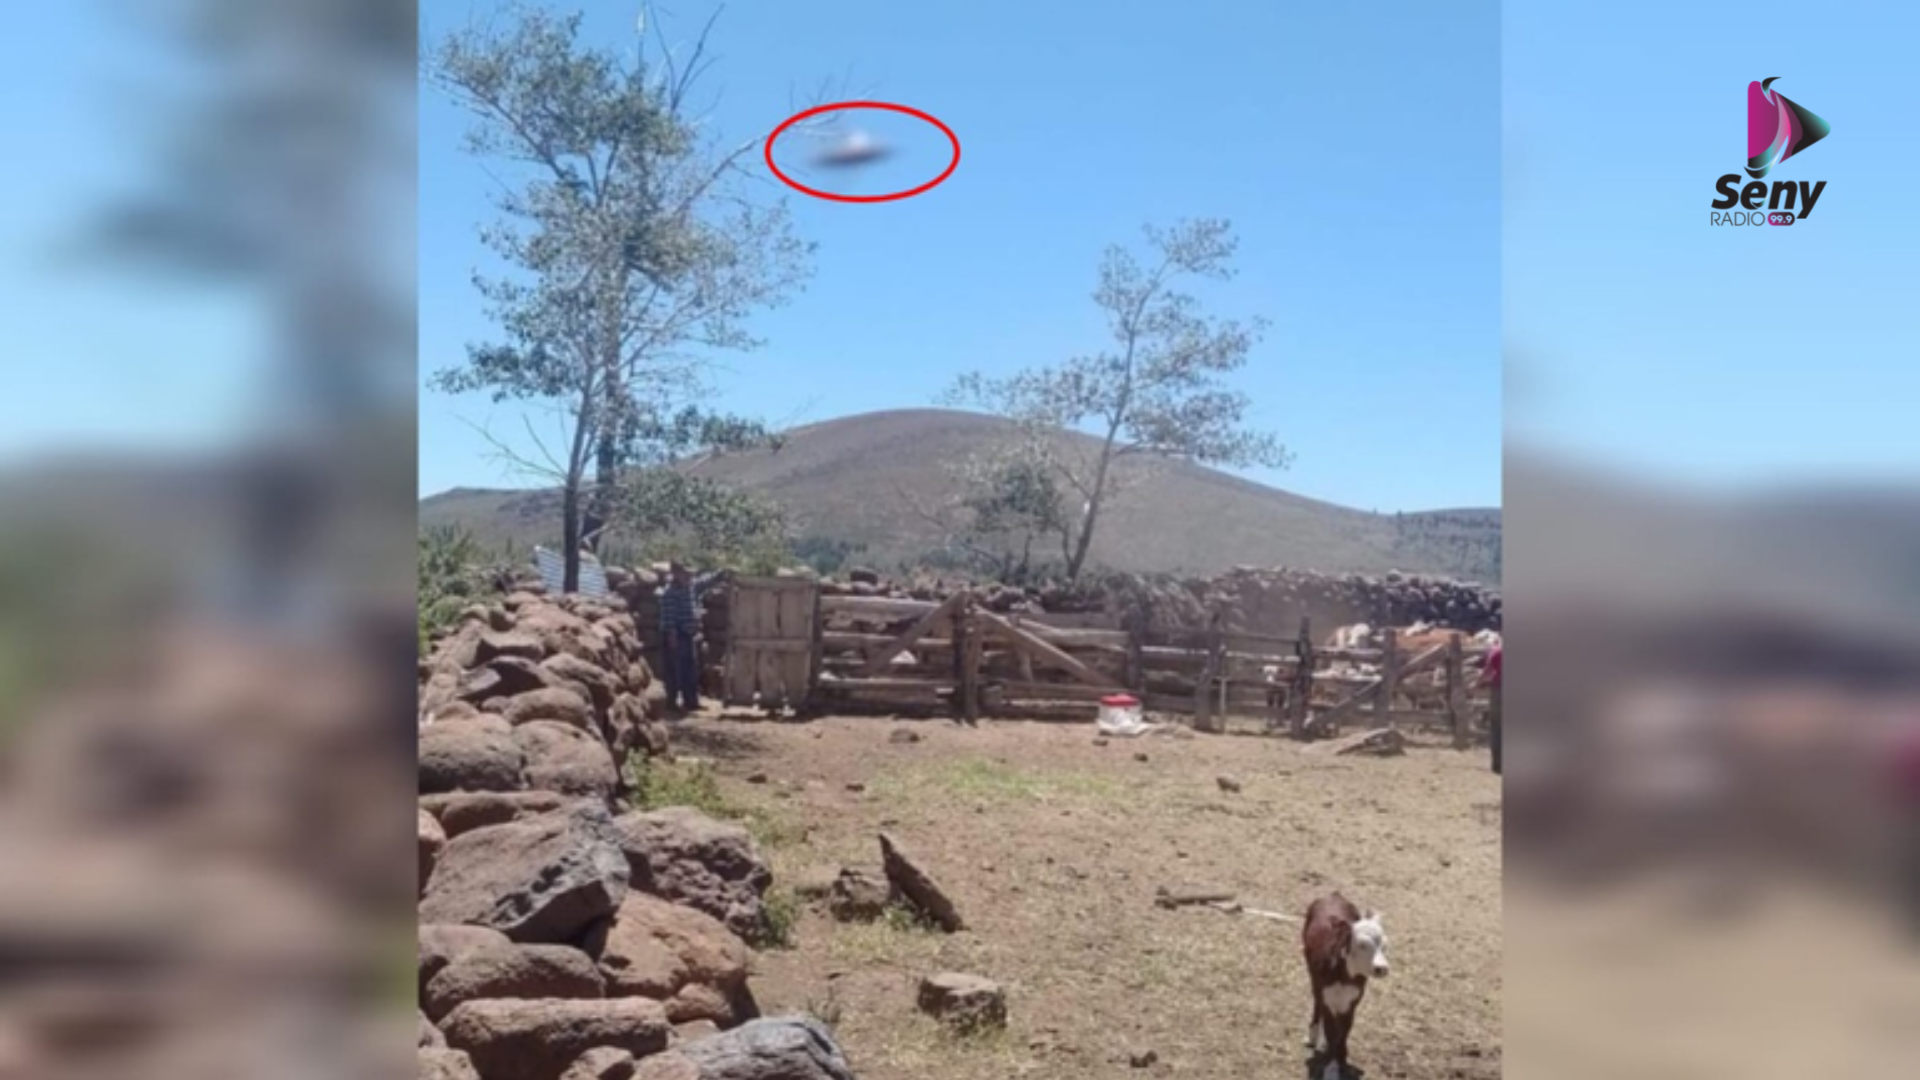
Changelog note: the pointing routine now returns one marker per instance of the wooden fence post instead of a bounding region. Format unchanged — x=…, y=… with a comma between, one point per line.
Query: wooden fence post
x=1205, y=716
x=1456, y=693
x=1136, y=674
x=975, y=639
x=1389, y=678
x=817, y=653
x=1300, y=694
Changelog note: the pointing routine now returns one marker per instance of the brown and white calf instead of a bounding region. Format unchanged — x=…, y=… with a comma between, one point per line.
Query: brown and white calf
x=1344, y=948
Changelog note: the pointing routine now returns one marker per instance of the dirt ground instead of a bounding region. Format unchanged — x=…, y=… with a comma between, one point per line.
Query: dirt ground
x=1053, y=848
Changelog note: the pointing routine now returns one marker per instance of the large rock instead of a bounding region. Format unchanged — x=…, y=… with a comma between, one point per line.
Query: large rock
x=911, y=882
x=562, y=704
x=440, y=1063
x=544, y=880
x=681, y=854
x=513, y=971
x=967, y=1002
x=688, y=959
x=433, y=839
x=492, y=646
x=540, y=1040
x=634, y=731
x=566, y=634
x=601, y=1063
x=597, y=680
x=566, y=759
x=857, y=896
x=442, y=945
x=463, y=812
x=472, y=753
x=775, y=1048
x=429, y=1036
x=505, y=677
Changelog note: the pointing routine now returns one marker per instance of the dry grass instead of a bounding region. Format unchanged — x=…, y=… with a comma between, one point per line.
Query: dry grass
x=1054, y=847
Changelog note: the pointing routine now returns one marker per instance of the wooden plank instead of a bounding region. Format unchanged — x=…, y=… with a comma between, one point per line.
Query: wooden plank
x=816, y=627
x=1015, y=688
x=1300, y=691
x=848, y=641
x=1389, y=677
x=1205, y=718
x=1084, y=639
x=773, y=644
x=857, y=686
x=880, y=655
x=777, y=584
x=1423, y=659
x=1241, y=641
x=975, y=642
x=1136, y=669
x=1457, y=719
x=1071, y=620
x=1332, y=718
x=875, y=607
x=1045, y=652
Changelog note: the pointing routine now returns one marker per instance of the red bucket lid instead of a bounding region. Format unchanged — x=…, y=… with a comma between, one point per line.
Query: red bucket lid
x=1120, y=701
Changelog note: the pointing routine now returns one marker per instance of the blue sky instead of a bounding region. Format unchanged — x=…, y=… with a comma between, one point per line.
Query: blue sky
x=1357, y=154
x=83, y=370
x=1654, y=343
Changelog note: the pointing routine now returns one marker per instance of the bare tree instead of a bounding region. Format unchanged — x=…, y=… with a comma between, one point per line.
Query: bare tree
x=1157, y=392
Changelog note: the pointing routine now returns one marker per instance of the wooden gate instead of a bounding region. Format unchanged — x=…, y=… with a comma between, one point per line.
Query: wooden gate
x=773, y=646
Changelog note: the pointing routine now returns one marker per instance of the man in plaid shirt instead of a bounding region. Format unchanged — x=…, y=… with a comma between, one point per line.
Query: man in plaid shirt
x=679, y=626
x=1490, y=677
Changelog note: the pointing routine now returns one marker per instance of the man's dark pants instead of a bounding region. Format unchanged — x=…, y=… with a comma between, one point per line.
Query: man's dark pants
x=1493, y=729
x=683, y=670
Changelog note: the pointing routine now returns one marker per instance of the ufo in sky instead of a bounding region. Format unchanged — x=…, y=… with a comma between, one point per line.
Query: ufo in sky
x=858, y=148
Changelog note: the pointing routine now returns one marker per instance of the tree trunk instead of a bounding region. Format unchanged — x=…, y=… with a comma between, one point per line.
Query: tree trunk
x=600, y=505
x=570, y=535
x=1078, y=558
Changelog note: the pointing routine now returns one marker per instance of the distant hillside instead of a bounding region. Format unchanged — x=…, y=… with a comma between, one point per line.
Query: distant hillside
x=842, y=480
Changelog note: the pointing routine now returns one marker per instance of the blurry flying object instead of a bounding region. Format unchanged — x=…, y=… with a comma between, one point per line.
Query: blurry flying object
x=858, y=148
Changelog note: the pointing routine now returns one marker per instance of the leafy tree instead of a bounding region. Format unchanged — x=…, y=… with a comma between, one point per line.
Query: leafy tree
x=1157, y=391
x=636, y=247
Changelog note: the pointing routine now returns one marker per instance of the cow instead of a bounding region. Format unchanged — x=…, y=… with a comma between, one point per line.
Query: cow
x=1344, y=948
x=1356, y=636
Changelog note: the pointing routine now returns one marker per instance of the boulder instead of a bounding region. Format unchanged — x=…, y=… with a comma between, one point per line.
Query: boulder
x=561, y=704
x=543, y=880
x=441, y=1063
x=429, y=1035
x=602, y=1063
x=505, y=677
x=476, y=753
x=774, y=1048
x=541, y=1039
x=633, y=728
x=674, y=954
x=565, y=759
x=597, y=680
x=513, y=971
x=433, y=839
x=494, y=645
x=968, y=1002
x=683, y=855
x=440, y=945
x=857, y=896
x=462, y=812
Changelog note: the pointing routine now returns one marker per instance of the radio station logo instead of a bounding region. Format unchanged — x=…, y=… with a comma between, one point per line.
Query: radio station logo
x=1778, y=128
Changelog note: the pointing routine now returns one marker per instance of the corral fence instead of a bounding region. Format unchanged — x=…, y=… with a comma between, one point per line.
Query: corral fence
x=790, y=645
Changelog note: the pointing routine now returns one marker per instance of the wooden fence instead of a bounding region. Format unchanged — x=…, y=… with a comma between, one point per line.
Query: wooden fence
x=955, y=657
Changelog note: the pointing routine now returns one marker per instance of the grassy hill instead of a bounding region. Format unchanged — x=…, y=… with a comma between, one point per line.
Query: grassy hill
x=860, y=479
